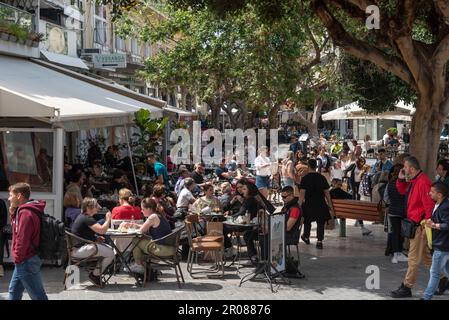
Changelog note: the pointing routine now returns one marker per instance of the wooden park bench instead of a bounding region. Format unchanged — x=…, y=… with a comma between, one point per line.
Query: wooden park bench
x=358, y=210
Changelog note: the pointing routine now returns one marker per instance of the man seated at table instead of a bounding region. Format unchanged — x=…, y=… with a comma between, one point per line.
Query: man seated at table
x=185, y=198
x=208, y=202
x=126, y=210
x=223, y=173
x=156, y=226
x=292, y=212
x=183, y=174
x=86, y=227
x=198, y=176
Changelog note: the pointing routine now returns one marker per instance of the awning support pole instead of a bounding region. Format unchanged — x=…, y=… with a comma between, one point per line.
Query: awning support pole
x=131, y=157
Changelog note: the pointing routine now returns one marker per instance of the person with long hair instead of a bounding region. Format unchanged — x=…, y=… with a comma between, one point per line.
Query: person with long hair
x=155, y=226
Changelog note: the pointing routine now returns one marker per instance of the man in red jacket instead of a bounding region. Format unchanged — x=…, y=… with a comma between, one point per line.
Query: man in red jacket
x=419, y=207
x=26, y=227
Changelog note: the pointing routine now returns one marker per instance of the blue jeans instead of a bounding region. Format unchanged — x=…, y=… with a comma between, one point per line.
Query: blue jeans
x=263, y=182
x=288, y=182
x=27, y=276
x=440, y=264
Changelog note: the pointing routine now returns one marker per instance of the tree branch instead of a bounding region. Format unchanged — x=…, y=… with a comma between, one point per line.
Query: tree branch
x=359, y=48
x=443, y=7
x=317, y=110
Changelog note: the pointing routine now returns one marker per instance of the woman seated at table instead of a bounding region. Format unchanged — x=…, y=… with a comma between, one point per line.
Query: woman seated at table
x=208, y=202
x=155, y=226
x=237, y=199
x=226, y=196
x=165, y=205
x=86, y=227
x=251, y=205
x=72, y=209
x=126, y=210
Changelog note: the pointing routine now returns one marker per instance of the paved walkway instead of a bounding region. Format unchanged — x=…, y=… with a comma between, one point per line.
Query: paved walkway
x=337, y=272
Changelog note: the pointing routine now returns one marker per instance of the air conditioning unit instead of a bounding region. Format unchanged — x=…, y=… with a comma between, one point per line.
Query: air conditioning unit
x=90, y=51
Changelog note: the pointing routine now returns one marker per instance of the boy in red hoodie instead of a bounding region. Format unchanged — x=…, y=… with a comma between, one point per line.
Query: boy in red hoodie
x=26, y=227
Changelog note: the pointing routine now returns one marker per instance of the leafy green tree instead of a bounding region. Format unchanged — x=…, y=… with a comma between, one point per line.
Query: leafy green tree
x=412, y=43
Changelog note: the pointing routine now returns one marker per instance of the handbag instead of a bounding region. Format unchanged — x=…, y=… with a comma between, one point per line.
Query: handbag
x=408, y=228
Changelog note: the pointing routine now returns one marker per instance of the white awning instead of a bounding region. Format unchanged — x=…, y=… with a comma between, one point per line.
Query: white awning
x=29, y=89
x=353, y=111
x=180, y=111
x=65, y=60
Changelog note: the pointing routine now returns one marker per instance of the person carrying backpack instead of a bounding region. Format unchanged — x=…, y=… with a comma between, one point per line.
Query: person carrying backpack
x=26, y=229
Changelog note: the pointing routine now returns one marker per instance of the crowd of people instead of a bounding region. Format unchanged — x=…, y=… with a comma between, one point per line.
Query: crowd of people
x=307, y=179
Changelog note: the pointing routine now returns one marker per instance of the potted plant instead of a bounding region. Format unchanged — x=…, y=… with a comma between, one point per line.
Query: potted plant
x=35, y=38
x=4, y=32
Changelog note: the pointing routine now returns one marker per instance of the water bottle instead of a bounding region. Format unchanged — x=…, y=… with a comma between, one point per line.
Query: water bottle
x=247, y=216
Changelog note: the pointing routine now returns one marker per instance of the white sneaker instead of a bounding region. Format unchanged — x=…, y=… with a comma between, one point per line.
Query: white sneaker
x=2, y=271
x=400, y=257
x=137, y=268
x=394, y=259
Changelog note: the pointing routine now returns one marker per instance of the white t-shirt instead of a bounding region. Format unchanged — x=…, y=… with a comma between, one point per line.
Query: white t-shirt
x=184, y=198
x=386, y=138
x=336, y=173
x=357, y=172
x=259, y=161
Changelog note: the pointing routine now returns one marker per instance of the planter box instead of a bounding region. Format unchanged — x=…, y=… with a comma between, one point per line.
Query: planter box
x=4, y=36
x=21, y=41
x=29, y=42
x=35, y=44
x=12, y=38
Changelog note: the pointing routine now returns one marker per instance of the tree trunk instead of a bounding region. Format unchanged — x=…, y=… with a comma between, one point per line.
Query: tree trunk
x=273, y=118
x=426, y=128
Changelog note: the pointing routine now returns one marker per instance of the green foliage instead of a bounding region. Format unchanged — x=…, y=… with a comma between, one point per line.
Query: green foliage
x=151, y=132
x=376, y=89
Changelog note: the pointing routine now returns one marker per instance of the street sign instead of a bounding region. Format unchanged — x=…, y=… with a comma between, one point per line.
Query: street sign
x=114, y=60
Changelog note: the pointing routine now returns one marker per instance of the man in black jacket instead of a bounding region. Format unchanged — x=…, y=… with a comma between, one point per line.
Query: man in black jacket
x=439, y=222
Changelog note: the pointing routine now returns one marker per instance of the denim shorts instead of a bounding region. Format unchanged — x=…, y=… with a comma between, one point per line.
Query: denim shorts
x=263, y=182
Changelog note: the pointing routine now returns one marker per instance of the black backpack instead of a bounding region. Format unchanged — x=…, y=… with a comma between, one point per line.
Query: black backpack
x=52, y=236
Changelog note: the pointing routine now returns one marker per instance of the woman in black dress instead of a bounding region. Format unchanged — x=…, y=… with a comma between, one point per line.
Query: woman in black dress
x=315, y=197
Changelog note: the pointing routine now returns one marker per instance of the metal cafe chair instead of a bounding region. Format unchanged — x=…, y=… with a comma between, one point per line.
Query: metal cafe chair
x=172, y=261
x=89, y=263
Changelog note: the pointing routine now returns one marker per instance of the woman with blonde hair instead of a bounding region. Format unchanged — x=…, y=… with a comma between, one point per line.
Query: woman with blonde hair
x=126, y=210
x=72, y=207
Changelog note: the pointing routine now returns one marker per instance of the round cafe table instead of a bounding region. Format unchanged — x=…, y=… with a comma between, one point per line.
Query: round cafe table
x=236, y=229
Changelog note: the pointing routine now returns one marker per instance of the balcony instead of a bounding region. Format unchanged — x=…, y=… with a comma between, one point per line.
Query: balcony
x=17, y=32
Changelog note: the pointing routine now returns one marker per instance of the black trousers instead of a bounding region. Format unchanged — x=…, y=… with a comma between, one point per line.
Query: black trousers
x=319, y=229
x=250, y=237
x=396, y=238
x=355, y=186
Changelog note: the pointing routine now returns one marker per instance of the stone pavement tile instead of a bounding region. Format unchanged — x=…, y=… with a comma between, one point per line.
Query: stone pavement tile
x=337, y=272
